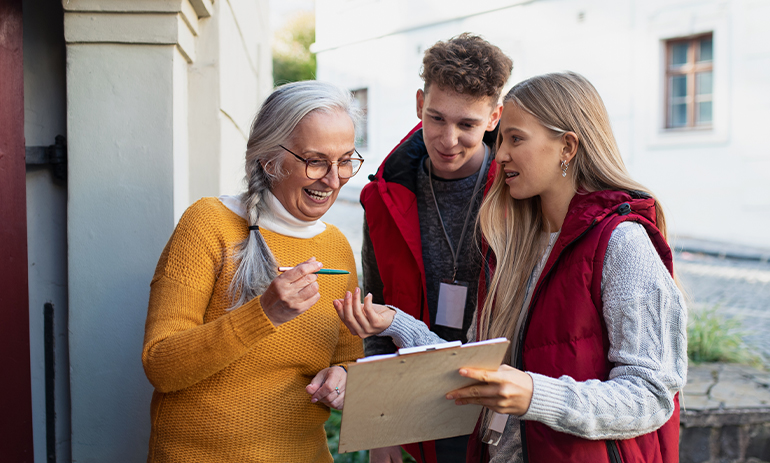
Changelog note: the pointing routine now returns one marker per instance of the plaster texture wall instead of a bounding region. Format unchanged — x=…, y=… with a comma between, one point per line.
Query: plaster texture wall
x=44, y=119
x=150, y=131
x=228, y=81
x=121, y=212
x=246, y=79
x=715, y=184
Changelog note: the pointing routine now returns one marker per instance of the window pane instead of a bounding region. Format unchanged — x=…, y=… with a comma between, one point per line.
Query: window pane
x=703, y=83
x=706, y=49
x=679, y=86
x=704, y=112
x=361, y=97
x=679, y=53
x=679, y=115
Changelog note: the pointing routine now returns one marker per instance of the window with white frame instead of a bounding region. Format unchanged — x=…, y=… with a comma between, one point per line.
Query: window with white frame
x=690, y=82
x=362, y=136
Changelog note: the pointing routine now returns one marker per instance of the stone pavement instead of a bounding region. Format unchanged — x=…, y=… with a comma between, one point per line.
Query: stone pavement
x=719, y=386
x=725, y=414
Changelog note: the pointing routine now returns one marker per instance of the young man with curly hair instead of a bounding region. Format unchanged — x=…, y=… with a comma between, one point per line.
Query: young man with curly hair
x=420, y=251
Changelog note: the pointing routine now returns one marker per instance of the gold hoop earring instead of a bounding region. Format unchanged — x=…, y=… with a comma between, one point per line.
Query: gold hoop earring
x=564, y=165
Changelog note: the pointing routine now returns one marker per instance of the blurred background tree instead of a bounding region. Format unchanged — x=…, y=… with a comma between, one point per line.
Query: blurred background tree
x=292, y=60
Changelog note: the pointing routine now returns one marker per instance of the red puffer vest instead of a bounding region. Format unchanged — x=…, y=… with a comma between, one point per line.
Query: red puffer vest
x=394, y=227
x=565, y=333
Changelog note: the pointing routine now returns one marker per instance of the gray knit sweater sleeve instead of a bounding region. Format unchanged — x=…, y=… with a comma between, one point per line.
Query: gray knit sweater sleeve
x=646, y=322
x=407, y=331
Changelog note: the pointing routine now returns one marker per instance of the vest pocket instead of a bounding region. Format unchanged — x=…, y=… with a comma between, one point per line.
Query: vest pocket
x=613, y=451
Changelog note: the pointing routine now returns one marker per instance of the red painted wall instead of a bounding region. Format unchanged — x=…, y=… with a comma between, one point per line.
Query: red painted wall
x=15, y=392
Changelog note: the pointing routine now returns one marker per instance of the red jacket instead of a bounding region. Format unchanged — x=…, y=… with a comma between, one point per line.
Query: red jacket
x=565, y=333
x=391, y=214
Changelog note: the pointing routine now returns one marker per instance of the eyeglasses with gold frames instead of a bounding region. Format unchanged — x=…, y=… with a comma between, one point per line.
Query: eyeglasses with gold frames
x=317, y=168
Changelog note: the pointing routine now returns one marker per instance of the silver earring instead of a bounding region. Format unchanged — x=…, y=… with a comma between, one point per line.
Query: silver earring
x=564, y=165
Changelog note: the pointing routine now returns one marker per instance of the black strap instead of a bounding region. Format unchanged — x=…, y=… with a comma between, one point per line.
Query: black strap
x=456, y=253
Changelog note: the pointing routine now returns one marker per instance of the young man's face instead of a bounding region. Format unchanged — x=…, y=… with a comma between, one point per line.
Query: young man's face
x=453, y=126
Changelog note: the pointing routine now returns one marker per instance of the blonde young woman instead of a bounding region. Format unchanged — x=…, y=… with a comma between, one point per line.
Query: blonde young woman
x=580, y=280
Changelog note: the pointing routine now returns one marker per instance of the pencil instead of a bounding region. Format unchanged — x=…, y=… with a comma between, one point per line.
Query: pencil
x=323, y=271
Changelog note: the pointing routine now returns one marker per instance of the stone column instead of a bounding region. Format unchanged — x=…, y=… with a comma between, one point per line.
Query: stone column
x=127, y=133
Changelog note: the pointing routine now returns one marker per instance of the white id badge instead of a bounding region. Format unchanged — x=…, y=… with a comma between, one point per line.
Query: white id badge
x=451, y=303
x=496, y=427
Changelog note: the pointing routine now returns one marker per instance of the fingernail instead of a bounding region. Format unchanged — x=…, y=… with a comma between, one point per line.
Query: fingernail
x=358, y=291
x=450, y=396
x=313, y=400
x=463, y=371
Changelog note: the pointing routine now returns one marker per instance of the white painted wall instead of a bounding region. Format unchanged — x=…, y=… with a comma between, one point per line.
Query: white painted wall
x=229, y=79
x=246, y=79
x=160, y=94
x=44, y=119
x=121, y=212
x=714, y=184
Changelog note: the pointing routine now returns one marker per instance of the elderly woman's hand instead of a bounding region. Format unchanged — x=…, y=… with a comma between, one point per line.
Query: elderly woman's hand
x=328, y=387
x=292, y=293
x=363, y=320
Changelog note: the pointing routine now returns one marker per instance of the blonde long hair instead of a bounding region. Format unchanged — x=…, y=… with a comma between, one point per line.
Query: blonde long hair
x=514, y=229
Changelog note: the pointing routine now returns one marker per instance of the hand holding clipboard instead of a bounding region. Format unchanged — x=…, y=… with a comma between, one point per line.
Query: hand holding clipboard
x=405, y=397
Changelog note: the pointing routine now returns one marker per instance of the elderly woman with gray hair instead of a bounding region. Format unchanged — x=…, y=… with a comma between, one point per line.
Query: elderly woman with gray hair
x=245, y=359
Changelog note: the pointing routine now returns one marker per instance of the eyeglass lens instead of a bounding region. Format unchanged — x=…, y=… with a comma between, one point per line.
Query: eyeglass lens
x=318, y=168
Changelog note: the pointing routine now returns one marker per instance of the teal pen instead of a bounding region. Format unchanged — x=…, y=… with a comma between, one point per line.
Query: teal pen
x=323, y=271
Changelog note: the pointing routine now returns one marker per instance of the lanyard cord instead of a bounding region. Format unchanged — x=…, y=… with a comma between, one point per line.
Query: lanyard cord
x=456, y=254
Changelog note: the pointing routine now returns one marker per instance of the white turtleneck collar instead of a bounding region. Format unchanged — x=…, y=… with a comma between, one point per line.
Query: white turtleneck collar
x=280, y=220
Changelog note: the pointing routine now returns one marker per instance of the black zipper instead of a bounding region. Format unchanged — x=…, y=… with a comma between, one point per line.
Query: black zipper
x=613, y=451
x=520, y=354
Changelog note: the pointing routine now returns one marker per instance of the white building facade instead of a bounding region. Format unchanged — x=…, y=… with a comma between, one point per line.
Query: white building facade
x=686, y=84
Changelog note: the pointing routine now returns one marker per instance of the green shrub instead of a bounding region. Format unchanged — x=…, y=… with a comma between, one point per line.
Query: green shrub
x=333, y=439
x=715, y=338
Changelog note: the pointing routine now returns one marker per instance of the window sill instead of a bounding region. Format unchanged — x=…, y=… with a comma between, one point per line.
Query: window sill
x=687, y=136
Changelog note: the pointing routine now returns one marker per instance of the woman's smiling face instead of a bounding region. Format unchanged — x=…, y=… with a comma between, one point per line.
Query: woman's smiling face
x=319, y=135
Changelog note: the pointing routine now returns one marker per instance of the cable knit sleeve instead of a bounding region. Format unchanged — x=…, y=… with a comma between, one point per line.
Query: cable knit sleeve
x=179, y=348
x=407, y=331
x=646, y=321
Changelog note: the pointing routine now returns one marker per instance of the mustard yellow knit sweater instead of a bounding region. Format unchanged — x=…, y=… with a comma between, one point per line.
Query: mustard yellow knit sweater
x=229, y=386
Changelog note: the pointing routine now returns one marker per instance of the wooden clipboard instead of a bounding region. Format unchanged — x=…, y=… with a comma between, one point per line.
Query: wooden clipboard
x=402, y=399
